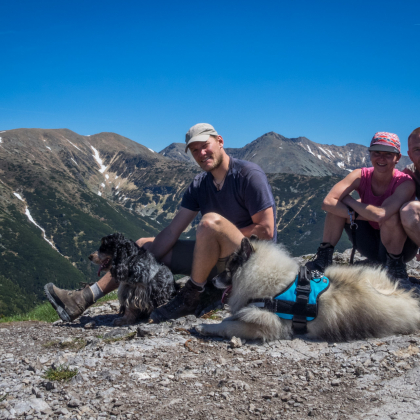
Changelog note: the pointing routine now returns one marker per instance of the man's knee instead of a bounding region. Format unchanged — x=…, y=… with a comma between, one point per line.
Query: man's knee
x=410, y=214
x=210, y=222
x=145, y=242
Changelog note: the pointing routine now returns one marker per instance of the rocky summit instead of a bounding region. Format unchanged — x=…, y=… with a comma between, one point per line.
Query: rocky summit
x=167, y=371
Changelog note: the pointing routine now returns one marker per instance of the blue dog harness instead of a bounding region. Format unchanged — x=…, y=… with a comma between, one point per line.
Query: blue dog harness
x=299, y=302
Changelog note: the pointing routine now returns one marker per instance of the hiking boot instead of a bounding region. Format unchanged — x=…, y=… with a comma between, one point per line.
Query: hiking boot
x=396, y=268
x=322, y=258
x=69, y=304
x=184, y=303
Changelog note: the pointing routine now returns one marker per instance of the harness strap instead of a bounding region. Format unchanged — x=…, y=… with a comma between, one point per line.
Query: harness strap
x=303, y=290
x=353, y=227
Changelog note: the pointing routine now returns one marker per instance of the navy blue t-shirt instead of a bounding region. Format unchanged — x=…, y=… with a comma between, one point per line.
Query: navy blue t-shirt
x=245, y=192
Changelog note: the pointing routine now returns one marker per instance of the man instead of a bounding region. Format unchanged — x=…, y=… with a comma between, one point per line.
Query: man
x=410, y=212
x=235, y=200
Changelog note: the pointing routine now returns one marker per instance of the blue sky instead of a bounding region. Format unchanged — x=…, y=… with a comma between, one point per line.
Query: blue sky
x=333, y=71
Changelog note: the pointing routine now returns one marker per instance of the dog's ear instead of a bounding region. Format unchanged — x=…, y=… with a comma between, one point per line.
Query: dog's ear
x=246, y=247
x=254, y=238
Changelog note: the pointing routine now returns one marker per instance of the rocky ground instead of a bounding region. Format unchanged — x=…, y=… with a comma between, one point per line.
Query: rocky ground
x=166, y=371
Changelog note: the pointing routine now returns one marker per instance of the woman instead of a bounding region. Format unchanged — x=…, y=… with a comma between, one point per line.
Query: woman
x=383, y=190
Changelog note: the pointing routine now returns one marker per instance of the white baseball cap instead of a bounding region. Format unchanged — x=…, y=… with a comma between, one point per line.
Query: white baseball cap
x=199, y=132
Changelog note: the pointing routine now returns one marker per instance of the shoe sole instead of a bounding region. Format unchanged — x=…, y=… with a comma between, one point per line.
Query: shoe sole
x=49, y=293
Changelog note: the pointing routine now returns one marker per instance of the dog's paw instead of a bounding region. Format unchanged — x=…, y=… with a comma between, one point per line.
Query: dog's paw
x=201, y=329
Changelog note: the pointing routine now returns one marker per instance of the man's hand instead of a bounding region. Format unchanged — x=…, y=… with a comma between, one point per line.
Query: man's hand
x=262, y=226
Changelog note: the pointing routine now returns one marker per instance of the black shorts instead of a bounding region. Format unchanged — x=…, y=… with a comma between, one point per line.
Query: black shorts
x=182, y=258
x=369, y=244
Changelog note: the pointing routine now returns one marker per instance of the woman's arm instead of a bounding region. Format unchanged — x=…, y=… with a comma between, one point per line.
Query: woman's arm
x=390, y=206
x=333, y=201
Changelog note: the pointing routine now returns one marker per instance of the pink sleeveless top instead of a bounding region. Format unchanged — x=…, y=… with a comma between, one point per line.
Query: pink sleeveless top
x=366, y=193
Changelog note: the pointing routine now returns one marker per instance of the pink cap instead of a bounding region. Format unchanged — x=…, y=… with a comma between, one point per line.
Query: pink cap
x=385, y=142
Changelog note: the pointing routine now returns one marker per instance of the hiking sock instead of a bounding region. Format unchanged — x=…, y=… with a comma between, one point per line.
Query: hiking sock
x=96, y=291
x=325, y=245
x=198, y=284
x=395, y=256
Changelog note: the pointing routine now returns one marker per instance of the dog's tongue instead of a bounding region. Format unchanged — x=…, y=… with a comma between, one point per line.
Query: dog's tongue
x=99, y=270
x=226, y=293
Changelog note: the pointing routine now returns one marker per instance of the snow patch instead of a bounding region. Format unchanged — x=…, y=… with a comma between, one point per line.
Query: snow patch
x=99, y=193
x=18, y=196
x=363, y=159
x=151, y=150
x=106, y=176
x=253, y=155
x=31, y=219
x=348, y=157
x=103, y=185
x=74, y=161
x=1, y=141
x=118, y=186
x=310, y=151
x=340, y=165
x=325, y=152
x=48, y=147
x=99, y=160
x=319, y=157
x=74, y=145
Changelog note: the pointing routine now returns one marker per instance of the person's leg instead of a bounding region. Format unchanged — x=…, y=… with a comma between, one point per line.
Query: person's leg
x=394, y=242
x=368, y=241
x=333, y=228
x=70, y=304
x=410, y=219
x=216, y=238
x=393, y=235
x=182, y=259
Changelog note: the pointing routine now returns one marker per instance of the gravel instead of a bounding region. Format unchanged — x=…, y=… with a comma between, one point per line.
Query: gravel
x=167, y=371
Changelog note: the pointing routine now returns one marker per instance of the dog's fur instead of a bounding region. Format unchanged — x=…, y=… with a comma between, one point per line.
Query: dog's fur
x=144, y=283
x=361, y=301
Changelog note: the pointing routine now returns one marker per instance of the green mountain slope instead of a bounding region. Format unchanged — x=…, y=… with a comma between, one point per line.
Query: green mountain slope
x=81, y=188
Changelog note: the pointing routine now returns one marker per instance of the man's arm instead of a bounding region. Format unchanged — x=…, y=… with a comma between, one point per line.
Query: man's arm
x=262, y=226
x=166, y=239
x=389, y=207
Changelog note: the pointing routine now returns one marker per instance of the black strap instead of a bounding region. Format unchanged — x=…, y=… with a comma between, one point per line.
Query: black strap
x=353, y=227
x=299, y=309
x=303, y=290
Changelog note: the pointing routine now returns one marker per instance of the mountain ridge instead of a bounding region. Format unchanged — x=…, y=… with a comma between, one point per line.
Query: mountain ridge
x=60, y=192
x=303, y=157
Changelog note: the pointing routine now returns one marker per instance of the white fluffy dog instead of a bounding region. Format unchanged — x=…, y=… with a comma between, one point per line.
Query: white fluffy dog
x=360, y=302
